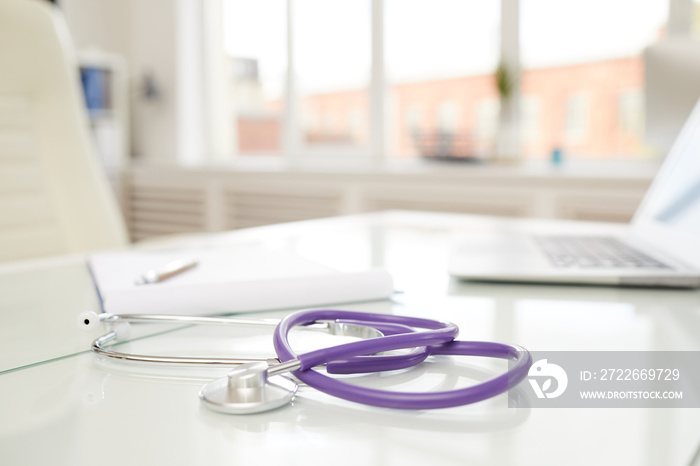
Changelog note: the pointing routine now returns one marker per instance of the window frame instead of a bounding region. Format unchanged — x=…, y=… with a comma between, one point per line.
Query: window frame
x=379, y=150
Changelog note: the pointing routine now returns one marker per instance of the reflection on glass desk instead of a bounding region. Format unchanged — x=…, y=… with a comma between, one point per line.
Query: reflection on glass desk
x=62, y=405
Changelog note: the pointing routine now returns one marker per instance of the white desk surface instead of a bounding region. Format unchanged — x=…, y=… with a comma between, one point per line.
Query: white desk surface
x=59, y=404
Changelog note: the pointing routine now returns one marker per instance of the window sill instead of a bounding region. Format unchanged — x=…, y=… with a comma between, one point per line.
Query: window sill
x=640, y=170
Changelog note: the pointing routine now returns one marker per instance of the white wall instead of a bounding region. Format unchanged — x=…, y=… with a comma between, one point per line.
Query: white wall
x=190, y=81
x=154, y=38
x=98, y=23
x=152, y=26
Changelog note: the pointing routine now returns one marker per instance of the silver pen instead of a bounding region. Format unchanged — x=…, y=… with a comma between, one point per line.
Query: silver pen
x=168, y=270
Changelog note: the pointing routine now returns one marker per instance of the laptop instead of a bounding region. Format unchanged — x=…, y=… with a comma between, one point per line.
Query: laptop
x=659, y=248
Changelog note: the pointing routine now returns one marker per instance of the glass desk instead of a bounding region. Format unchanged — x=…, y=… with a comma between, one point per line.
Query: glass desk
x=61, y=404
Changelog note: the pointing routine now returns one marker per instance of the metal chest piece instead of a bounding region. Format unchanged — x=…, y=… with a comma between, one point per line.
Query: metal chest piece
x=248, y=390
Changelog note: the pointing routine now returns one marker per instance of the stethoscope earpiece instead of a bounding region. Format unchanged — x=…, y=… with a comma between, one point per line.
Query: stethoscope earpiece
x=122, y=331
x=88, y=321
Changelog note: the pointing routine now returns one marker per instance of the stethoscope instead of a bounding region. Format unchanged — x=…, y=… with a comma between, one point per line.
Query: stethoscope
x=258, y=385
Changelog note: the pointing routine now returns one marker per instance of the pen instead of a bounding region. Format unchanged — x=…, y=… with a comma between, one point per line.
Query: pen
x=168, y=270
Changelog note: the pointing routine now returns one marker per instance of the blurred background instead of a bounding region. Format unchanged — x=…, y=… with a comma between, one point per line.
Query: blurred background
x=219, y=114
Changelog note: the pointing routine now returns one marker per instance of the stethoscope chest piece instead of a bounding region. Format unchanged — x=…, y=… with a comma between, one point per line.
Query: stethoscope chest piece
x=247, y=389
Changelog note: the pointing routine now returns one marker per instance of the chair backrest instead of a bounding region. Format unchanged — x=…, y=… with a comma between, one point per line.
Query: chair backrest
x=54, y=196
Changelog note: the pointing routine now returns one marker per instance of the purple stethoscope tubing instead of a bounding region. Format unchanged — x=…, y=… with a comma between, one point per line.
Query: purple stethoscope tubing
x=380, y=362
x=438, y=339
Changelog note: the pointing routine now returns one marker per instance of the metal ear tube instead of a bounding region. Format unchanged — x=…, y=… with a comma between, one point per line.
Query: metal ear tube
x=344, y=327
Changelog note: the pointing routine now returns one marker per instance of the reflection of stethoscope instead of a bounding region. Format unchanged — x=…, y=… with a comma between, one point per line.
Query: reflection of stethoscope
x=258, y=385
x=320, y=411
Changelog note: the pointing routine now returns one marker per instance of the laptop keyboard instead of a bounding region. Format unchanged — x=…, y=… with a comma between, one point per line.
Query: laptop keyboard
x=594, y=251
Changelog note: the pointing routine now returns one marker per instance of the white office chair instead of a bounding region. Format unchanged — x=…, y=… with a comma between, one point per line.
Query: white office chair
x=54, y=197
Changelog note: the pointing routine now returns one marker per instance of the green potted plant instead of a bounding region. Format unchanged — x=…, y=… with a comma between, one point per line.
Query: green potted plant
x=507, y=147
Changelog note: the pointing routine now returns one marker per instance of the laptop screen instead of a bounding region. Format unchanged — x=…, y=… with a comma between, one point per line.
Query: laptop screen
x=677, y=200
x=671, y=209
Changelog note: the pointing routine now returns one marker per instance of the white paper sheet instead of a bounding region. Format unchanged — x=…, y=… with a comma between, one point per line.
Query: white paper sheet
x=226, y=281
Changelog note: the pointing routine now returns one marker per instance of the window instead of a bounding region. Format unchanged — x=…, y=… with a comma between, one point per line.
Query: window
x=576, y=118
x=439, y=56
x=486, y=124
x=254, y=42
x=530, y=113
x=332, y=52
x=409, y=78
x=578, y=57
x=414, y=119
x=448, y=117
x=631, y=112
